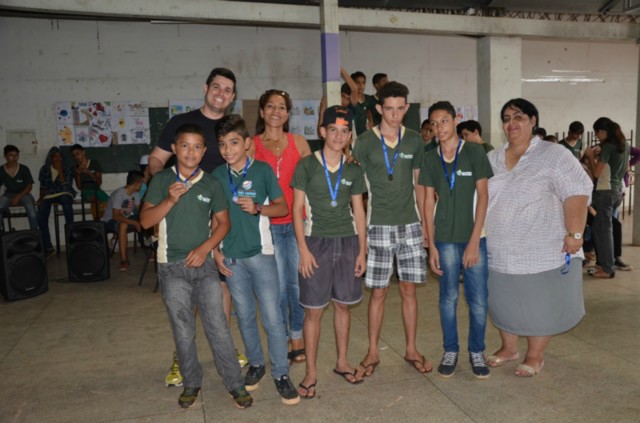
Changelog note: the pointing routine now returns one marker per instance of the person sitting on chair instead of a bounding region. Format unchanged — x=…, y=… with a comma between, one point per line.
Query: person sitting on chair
x=18, y=181
x=88, y=176
x=121, y=214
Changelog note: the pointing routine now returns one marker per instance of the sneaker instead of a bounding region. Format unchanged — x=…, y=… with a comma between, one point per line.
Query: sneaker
x=287, y=391
x=241, y=398
x=188, y=397
x=242, y=359
x=124, y=265
x=174, y=378
x=448, y=364
x=621, y=265
x=253, y=377
x=478, y=365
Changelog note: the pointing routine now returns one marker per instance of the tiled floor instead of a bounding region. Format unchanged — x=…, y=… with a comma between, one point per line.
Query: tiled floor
x=98, y=352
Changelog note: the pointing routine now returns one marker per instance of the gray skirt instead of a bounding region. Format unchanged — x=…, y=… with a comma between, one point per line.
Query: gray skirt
x=539, y=304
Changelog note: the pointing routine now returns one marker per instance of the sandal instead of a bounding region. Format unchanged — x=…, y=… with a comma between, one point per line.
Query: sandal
x=345, y=376
x=370, y=365
x=599, y=273
x=306, y=394
x=527, y=371
x=297, y=356
x=422, y=361
x=497, y=361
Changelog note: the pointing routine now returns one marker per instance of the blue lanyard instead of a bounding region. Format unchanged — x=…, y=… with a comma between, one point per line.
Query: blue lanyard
x=186, y=182
x=567, y=261
x=332, y=190
x=452, y=180
x=386, y=156
x=232, y=187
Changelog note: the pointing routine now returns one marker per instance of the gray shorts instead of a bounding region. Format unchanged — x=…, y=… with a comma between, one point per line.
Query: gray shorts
x=334, y=279
x=403, y=241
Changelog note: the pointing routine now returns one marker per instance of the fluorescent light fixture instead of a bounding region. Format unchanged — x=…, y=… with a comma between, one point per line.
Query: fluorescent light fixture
x=570, y=71
x=563, y=79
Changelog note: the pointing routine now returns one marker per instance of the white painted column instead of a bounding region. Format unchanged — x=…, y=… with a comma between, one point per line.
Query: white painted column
x=330, y=51
x=635, y=234
x=499, y=80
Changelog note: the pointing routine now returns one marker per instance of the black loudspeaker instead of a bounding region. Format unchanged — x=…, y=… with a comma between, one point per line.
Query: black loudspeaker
x=24, y=266
x=87, y=252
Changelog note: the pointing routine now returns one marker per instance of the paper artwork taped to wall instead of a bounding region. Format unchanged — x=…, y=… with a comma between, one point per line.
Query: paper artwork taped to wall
x=102, y=123
x=303, y=118
x=177, y=107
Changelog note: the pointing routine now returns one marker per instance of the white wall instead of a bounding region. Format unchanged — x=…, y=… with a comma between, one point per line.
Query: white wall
x=45, y=61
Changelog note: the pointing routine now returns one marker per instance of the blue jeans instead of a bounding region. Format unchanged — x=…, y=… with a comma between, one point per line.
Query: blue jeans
x=284, y=241
x=184, y=289
x=605, y=202
x=475, y=291
x=257, y=277
x=27, y=202
x=66, y=201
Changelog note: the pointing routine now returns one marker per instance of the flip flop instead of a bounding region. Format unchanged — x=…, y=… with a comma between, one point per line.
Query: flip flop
x=422, y=361
x=297, y=356
x=497, y=361
x=528, y=371
x=306, y=390
x=346, y=374
x=370, y=365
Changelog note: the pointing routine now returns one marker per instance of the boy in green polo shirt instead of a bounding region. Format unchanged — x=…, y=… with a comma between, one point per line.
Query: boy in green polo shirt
x=185, y=201
x=390, y=155
x=457, y=171
x=332, y=241
x=247, y=256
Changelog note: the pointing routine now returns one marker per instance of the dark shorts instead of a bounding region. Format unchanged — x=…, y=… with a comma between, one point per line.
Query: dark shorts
x=112, y=226
x=335, y=278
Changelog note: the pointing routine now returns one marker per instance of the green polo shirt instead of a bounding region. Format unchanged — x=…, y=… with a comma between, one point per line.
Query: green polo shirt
x=391, y=202
x=455, y=210
x=187, y=225
x=323, y=220
x=617, y=162
x=250, y=234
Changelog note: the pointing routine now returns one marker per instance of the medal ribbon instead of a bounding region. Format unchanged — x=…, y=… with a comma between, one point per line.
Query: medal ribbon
x=186, y=181
x=386, y=155
x=452, y=180
x=232, y=187
x=332, y=190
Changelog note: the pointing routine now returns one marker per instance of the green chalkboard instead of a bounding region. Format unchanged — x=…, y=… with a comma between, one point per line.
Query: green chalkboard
x=123, y=158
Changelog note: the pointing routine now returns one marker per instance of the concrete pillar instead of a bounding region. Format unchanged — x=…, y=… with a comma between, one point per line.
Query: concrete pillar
x=499, y=80
x=330, y=38
x=635, y=234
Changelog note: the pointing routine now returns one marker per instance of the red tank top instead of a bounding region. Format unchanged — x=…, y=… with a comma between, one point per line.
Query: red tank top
x=283, y=167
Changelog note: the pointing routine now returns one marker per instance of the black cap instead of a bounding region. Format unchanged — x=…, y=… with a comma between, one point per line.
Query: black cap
x=337, y=115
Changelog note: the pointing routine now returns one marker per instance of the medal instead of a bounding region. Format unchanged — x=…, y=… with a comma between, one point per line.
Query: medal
x=187, y=183
x=232, y=187
x=390, y=167
x=333, y=191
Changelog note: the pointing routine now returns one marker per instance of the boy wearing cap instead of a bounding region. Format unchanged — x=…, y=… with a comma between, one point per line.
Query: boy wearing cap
x=331, y=242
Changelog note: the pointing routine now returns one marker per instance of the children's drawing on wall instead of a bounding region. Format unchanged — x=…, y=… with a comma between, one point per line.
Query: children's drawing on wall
x=177, y=107
x=130, y=122
x=303, y=118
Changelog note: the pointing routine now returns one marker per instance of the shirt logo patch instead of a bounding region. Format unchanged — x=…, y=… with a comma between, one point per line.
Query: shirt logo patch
x=405, y=156
x=203, y=198
x=461, y=173
x=345, y=182
x=247, y=184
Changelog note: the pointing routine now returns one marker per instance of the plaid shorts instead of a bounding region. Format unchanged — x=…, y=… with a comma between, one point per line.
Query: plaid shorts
x=403, y=241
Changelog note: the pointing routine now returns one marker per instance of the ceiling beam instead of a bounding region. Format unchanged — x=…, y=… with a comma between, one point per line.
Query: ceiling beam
x=261, y=14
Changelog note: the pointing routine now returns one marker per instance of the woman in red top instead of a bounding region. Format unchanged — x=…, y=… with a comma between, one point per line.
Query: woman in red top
x=282, y=150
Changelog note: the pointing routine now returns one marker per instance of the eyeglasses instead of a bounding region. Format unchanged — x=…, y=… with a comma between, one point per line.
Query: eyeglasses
x=279, y=92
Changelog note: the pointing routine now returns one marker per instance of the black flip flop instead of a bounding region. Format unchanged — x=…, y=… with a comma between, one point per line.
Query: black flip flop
x=306, y=388
x=345, y=376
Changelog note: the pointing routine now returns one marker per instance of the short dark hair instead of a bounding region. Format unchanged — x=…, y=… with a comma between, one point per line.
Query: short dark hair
x=541, y=132
x=76, y=147
x=576, y=127
x=377, y=77
x=358, y=74
x=443, y=105
x=469, y=125
x=188, y=128
x=134, y=176
x=525, y=106
x=9, y=148
x=345, y=89
x=425, y=123
x=224, y=72
x=232, y=123
x=393, y=89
